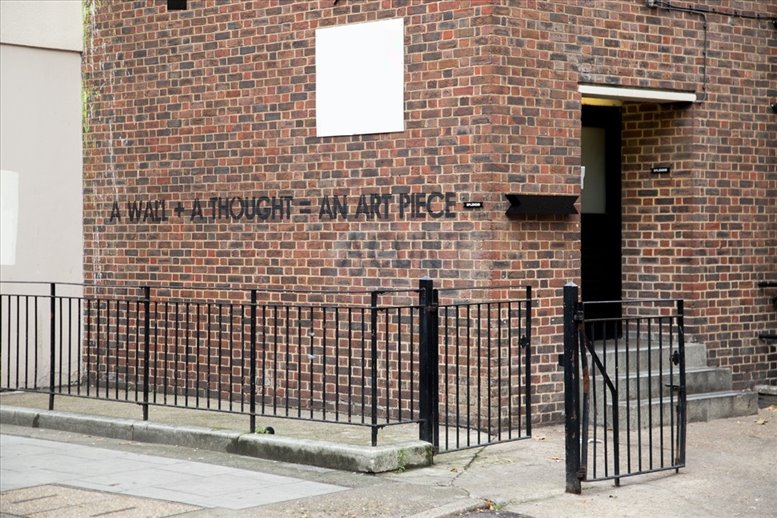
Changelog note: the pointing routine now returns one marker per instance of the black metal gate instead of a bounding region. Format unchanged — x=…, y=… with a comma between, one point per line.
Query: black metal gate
x=625, y=394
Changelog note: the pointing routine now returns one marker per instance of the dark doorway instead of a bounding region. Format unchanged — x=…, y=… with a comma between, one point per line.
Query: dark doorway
x=600, y=232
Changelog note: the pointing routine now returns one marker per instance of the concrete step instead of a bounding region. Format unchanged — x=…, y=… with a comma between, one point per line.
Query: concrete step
x=653, y=384
x=631, y=358
x=767, y=395
x=719, y=405
x=700, y=407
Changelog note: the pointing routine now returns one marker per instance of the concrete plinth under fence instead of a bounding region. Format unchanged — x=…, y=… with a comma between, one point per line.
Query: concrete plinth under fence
x=396, y=455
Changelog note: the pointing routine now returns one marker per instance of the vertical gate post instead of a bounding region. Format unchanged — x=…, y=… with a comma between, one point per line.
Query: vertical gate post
x=428, y=400
x=682, y=416
x=252, y=366
x=571, y=390
x=52, y=341
x=374, y=368
x=147, y=342
x=527, y=353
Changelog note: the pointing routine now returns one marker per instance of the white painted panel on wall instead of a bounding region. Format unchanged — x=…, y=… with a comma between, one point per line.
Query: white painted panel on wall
x=593, y=199
x=360, y=72
x=53, y=24
x=9, y=216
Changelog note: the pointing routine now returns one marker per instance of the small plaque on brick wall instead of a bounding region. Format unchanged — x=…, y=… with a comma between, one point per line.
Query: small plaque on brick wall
x=661, y=169
x=469, y=205
x=176, y=5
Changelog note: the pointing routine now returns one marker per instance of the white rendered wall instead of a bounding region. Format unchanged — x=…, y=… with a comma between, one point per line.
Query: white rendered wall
x=53, y=24
x=40, y=144
x=40, y=125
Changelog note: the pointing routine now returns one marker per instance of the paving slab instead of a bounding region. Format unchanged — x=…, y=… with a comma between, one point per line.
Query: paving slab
x=23, y=459
x=731, y=466
x=67, y=502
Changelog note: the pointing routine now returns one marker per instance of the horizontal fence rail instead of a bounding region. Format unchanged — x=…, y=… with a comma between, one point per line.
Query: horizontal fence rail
x=382, y=358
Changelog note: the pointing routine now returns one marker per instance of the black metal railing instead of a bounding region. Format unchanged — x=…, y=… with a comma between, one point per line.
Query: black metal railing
x=625, y=389
x=484, y=371
x=375, y=359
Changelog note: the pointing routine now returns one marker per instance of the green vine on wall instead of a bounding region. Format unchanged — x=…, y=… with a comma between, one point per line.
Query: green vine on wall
x=88, y=8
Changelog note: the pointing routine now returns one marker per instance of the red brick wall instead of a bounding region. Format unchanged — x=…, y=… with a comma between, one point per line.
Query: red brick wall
x=226, y=107
x=708, y=231
x=219, y=101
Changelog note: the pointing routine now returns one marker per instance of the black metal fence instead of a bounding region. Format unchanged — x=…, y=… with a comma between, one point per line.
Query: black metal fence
x=381, y=358
x=484, y=370
x=625, y=389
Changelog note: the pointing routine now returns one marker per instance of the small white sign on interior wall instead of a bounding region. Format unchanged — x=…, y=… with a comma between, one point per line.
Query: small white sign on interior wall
x=360, y=75
x=9, y=216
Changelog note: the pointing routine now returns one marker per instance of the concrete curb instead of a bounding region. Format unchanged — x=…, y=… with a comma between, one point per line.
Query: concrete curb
x=324, y=454
x=85, y=424
x=452, y=509
x=19, y=416
x=338, y=456
x=188, y=436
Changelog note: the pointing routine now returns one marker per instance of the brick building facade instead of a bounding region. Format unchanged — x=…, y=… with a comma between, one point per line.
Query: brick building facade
x=203, y=168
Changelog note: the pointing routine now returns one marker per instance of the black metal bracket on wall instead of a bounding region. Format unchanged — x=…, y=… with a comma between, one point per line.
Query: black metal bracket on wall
x=769, y=284
x=540, y=204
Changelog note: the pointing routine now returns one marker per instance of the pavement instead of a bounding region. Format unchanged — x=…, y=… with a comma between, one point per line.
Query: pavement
x=731, y=466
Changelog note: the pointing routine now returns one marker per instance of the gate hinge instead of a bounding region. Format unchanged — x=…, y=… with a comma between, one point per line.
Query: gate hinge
x=676, y=357
x=578, y=315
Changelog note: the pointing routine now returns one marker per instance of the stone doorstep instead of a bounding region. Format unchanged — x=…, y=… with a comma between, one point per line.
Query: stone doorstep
x=766, y=390
x=364, y=459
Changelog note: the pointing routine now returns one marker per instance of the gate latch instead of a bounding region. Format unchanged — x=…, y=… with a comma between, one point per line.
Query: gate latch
x=676, y=357
x=523, y=342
